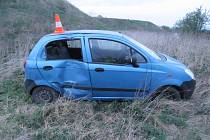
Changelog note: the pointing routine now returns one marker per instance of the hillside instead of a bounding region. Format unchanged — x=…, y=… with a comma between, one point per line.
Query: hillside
x=23, y=22
x=126, y=24
x=36, y=17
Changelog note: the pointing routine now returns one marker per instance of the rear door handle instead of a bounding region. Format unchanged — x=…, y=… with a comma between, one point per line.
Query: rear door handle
x=47, y=67
x=99, y=69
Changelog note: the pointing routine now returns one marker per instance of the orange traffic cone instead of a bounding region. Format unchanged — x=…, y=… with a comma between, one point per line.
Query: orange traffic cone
x=58, y=25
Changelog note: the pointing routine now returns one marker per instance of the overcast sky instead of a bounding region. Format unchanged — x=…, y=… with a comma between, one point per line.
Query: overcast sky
x=160, y=12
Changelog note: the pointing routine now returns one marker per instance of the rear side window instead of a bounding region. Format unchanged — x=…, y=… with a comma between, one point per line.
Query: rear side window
x=112, y=52
x=64, y=49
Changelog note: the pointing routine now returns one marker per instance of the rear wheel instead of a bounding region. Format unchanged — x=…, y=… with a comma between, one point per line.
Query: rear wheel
x=43, y=94
x=170, y=93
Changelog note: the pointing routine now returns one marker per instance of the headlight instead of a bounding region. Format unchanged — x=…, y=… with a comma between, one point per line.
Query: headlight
x=189, y=72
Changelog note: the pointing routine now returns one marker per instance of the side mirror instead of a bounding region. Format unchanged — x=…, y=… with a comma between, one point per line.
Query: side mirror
x=134, y=62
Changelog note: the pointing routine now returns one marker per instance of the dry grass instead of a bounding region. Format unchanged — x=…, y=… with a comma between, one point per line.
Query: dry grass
x=159, y=119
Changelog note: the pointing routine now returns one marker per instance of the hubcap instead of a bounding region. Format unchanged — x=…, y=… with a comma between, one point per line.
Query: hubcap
x=45, y=95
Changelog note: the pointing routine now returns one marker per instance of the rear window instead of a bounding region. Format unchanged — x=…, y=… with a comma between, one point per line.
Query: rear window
x=64, y=49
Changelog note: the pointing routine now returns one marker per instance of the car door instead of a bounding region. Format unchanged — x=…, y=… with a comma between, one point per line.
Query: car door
x=112, y=77
x=63, y=65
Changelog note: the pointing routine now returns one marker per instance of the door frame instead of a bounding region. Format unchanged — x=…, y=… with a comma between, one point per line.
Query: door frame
x=41, y=56
x=120, y=40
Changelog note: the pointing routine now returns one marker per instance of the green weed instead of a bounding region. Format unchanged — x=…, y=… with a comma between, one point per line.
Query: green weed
x=153, y=132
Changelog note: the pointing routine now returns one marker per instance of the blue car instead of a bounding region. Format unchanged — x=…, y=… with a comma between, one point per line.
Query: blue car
x=102, y=65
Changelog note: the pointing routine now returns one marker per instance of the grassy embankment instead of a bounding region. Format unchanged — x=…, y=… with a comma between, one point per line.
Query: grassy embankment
x=160, y=119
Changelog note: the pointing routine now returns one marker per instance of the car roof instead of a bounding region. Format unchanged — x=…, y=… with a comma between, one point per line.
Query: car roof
x=104, y=32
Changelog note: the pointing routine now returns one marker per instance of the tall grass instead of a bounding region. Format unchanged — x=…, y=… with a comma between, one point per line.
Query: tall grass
x=192, y=50
x=66, y=119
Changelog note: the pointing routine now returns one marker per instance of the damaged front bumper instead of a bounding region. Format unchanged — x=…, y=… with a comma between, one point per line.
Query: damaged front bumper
x=188, y=88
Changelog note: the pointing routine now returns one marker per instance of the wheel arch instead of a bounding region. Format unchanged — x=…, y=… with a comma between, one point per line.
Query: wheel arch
x=31, y=91
x=156, y=93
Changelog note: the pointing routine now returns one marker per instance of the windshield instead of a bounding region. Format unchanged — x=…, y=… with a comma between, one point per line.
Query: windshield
x=151, y=52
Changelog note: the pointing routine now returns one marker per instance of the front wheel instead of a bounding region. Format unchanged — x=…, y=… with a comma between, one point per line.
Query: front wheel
x=43, y=95
x=170, y=93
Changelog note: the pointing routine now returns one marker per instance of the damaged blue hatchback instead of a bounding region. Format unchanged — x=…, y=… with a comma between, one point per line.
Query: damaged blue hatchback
x=102, y=65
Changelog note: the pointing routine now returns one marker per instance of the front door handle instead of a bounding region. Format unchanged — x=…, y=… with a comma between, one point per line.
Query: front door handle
x=47, y=67
x=99, y=69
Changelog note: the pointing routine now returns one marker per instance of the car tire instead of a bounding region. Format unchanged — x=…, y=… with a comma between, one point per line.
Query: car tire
x=170, y=93
x=43, y=95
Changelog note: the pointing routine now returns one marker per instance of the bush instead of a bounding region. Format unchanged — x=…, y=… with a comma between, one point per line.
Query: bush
x=194, y=21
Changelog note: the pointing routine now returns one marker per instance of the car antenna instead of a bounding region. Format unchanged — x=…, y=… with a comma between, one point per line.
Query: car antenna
x=58, y=25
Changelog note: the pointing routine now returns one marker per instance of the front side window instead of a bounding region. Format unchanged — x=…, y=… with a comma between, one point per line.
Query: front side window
x=111, y=52
x=151, y=52
x=138, y=56
x=64, y=49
